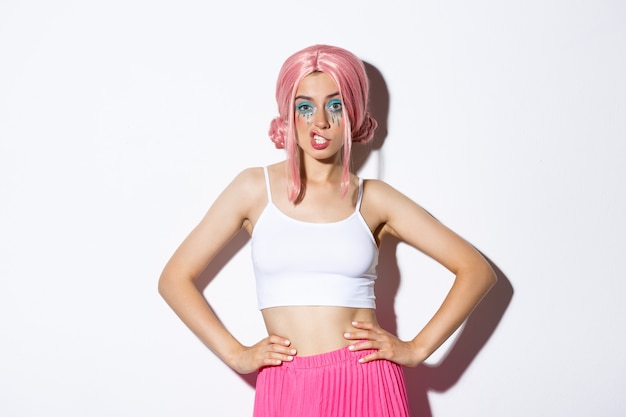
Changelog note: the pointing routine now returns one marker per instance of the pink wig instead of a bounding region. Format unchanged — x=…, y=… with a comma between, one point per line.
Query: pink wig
x=348, y=72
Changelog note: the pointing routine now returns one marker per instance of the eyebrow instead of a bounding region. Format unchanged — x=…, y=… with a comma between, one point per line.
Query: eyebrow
x=301, y=97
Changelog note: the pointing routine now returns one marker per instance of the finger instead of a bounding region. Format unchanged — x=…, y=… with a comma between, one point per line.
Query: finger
x=365, y=325
x=279, y=340
x=370, y=357
x=359, y=335
x=282, y=350
x=365, y=335
x=279, y=358
x=271, y=362
x=281, y=345
x=363, y=345
x=271, y=358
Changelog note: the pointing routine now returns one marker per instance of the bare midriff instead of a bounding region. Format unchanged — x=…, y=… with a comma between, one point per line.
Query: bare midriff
x=315, y=329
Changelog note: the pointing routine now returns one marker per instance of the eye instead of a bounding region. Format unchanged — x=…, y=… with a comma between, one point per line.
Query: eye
x=305, y=108
x=335, y=106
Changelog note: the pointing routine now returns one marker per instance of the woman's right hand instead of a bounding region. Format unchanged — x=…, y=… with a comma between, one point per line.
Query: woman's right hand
x=271, y=351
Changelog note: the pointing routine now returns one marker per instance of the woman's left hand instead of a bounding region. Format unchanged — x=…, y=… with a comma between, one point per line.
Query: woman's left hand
x=387, y=346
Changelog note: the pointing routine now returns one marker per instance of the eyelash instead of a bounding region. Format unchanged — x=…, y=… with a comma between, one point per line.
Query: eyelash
x=335, y=106
x=305, y=109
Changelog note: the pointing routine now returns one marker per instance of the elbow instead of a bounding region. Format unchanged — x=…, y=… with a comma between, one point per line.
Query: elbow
x=480, y=275
x=160, y=286
x=163, y=285
x=172, y=283
x=490, y=276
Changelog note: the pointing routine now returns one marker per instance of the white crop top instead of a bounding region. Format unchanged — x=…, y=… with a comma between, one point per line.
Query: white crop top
x=324, y=264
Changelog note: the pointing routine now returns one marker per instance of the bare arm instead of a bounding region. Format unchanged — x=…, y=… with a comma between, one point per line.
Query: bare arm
x=228, y=214
x=406, y=220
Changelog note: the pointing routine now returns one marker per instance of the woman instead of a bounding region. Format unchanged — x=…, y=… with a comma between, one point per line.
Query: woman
x=315, y=229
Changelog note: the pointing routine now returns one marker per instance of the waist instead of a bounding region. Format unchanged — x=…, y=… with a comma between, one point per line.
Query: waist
x=315, y=330
x=332, y=358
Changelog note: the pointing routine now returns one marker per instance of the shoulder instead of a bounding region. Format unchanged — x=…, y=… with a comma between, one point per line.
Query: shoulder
x=250, y=175
x=245, y=190
x=375, y=185
x=378, y=192
x=379, y=203
x=242, y=199
x=248, y=181
x=389, y=207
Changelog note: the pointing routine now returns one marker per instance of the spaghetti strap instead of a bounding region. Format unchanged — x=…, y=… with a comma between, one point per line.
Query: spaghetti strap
x=360, y=196
x=267, y=184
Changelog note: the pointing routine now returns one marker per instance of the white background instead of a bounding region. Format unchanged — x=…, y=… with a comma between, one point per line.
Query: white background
x=121, y=121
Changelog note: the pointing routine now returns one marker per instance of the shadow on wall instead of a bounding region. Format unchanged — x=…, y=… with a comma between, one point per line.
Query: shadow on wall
x=477, y=329
x=474, y=335
x=379, y=109
x=479, y=326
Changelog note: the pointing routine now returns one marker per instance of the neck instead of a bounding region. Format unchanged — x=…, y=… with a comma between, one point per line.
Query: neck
x=315, y=171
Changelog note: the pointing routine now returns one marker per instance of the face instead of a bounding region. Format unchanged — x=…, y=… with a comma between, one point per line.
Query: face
x=319, y=116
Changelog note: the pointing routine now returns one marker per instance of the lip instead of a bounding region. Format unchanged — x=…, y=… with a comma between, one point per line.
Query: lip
x=316, y=145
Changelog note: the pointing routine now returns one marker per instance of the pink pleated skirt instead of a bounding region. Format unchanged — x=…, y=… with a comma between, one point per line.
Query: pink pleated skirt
x=332, y=384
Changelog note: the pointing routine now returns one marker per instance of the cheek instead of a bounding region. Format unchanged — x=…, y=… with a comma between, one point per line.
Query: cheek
x=302, y=121
x=301, y=127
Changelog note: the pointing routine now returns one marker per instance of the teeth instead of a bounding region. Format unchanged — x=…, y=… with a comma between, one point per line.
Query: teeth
x=318, y=139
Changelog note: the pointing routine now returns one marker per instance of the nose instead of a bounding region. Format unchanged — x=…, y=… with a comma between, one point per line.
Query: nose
x=320, y=119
